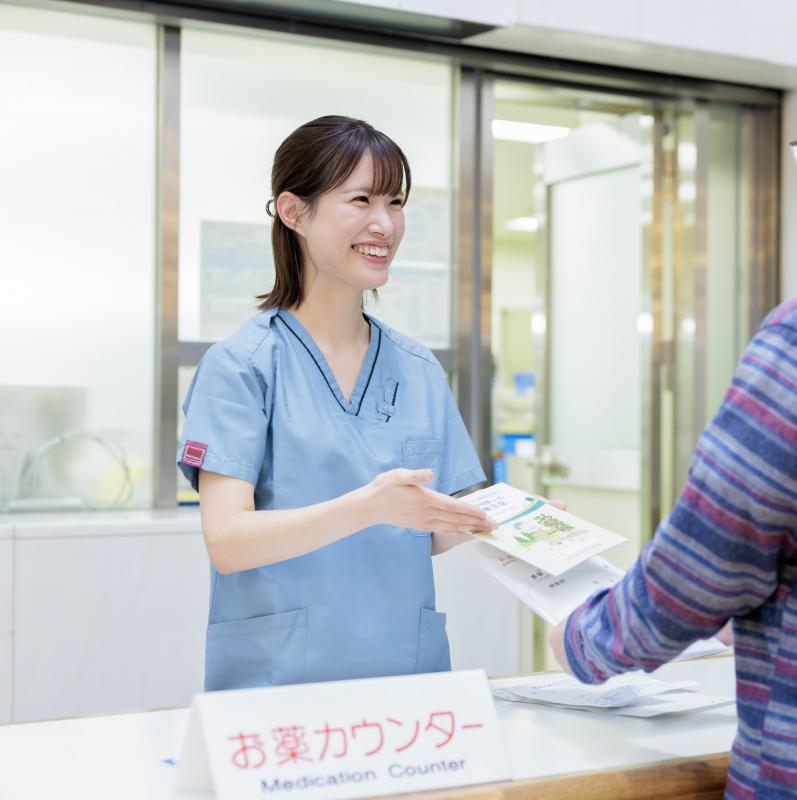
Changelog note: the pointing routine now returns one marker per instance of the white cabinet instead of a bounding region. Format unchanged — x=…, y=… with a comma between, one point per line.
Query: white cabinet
x=108, y=614
x=483, y=618
x=6, y=629
x=107, y=620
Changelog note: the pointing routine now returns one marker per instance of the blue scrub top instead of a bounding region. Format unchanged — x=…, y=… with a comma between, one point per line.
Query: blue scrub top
x=264, y=407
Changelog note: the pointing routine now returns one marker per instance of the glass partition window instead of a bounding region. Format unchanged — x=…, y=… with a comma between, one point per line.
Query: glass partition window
x=242, y=94
x=77, y=259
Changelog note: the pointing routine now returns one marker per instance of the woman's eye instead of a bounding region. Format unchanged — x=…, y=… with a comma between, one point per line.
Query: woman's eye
x=397, y=202
x=361, y=199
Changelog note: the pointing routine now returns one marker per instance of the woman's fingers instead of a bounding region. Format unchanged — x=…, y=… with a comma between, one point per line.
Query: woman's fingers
x=459, y=522
x=460, y=517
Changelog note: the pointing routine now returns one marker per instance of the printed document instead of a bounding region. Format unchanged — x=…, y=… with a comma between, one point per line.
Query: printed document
x=551, y=597
x=554, y=597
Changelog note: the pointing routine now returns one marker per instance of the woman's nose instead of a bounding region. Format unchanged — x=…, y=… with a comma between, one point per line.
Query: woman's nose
x=381, y=222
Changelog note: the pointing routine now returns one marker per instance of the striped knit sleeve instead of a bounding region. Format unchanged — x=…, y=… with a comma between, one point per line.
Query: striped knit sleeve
x=717, y=554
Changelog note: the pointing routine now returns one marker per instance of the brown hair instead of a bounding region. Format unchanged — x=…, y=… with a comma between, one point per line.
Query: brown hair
x=316, y=158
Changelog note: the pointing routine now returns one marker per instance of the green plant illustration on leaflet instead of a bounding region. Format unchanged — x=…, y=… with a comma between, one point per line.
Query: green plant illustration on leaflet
x=540, y=528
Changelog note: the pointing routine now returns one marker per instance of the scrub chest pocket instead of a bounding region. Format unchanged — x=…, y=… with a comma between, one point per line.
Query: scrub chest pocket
x=247, y=653
x=423, y=454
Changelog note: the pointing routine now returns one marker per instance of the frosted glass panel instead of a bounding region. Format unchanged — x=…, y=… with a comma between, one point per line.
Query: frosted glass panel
x=77, y=256
x=724, y=298
x=242, y=94
x=596, y=247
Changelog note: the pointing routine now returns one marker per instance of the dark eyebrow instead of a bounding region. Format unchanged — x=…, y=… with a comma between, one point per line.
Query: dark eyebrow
x=369, y=191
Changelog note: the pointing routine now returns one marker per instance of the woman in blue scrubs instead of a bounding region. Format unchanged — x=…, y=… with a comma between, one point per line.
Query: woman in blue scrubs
x=324, y=445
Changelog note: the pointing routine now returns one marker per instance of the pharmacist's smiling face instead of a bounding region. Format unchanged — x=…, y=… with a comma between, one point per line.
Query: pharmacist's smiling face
x=351, y=235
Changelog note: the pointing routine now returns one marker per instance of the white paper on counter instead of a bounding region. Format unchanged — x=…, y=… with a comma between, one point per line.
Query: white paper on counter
x=677, y=702
x=565, y=690
x=634, y=694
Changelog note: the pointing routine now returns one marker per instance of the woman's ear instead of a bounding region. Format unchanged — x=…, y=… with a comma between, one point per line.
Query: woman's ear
x=291, y=208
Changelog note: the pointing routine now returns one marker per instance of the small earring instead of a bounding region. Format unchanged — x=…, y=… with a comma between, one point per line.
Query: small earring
x=270, y=208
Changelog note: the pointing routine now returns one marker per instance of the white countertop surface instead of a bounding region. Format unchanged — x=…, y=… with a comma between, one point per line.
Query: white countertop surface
x=129, y=756
x=50, y=524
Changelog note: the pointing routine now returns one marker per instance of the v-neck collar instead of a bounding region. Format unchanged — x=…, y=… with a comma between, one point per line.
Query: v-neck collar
x=366, y=371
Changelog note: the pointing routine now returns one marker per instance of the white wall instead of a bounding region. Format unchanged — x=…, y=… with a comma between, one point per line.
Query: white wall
x=761, y=31
x=740, y=41
x=104, y=613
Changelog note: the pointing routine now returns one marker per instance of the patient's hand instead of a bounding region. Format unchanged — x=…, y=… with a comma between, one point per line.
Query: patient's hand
x=725, y=634
x=556, y=638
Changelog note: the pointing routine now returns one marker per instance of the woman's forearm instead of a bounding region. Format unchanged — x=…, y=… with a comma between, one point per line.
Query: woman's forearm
x=250, y=539
x=238, y=537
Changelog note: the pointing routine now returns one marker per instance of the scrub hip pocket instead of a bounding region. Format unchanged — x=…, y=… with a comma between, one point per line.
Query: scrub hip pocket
x=433, y=651
x=261, y=651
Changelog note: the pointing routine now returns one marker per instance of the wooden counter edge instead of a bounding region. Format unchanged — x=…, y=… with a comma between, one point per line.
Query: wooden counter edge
x=677, y=779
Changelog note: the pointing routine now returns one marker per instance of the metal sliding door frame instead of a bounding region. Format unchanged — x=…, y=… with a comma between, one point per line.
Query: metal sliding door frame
x=764, y=235
x=473, y=357
x=655, y=367
x=702, y=116
x=167, y=355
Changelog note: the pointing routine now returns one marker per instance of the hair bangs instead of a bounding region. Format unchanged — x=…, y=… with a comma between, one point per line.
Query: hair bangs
x=391, y=170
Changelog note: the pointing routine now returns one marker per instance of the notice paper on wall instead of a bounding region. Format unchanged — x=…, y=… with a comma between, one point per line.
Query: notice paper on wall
x=532, y=530
x=633, y=694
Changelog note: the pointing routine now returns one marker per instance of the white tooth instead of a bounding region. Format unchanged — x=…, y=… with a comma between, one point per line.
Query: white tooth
x=368, y=250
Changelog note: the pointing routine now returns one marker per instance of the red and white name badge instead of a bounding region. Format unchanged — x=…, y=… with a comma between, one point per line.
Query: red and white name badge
x=345, y=739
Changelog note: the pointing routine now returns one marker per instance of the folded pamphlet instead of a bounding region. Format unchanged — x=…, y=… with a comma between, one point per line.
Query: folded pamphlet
x=538, y=533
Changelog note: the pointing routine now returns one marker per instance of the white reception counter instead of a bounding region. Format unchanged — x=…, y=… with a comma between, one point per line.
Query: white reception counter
x=132, y=756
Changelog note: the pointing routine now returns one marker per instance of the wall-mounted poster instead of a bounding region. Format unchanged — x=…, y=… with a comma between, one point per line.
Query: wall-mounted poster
x=236, y=265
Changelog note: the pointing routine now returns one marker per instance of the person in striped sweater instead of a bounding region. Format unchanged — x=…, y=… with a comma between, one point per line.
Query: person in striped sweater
x=727, y=551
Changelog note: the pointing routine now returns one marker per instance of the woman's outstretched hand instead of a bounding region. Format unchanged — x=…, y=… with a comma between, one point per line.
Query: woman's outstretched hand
x=399, y=497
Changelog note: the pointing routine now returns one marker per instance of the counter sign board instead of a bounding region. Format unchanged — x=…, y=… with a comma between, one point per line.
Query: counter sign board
x=346, y=739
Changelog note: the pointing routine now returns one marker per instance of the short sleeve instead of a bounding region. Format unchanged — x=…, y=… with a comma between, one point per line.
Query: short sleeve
x=226, y=419
x=460, y=466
